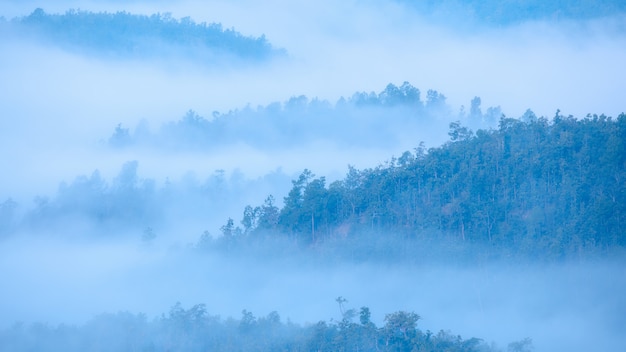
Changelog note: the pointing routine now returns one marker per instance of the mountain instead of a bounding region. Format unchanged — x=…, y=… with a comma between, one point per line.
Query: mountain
x=125, y=35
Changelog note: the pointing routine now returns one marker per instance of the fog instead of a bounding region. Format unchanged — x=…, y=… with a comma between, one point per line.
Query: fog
x=60, y=102
x=59, y=109
x=62, y=99
x=571, y=306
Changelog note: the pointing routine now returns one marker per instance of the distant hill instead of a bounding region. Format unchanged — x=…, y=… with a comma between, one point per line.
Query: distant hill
x=126, y=35
x=194, y=329
x=532, y=186
x=395, y=116
x=495, y=12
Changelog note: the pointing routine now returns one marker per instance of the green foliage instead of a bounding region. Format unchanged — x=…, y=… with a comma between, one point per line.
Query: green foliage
x=122, y=34
x=531, y=186
x=386, y=118
x=128, y=201
x=121, y=137
x=268, y=215
x=499, y=13
x=525, y=345
x=194, y=329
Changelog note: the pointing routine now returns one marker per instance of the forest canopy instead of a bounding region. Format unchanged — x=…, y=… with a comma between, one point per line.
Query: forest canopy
x=194, y=329
x=398, y=115
x=533, y=185
x=495, y=12
x=126, y=35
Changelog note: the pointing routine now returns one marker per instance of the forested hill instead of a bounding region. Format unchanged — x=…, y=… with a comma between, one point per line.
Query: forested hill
x=397, y=115
x=194, y=329
x=123, y=35
x=533, y=185
x=548, y=188
x=496, y=12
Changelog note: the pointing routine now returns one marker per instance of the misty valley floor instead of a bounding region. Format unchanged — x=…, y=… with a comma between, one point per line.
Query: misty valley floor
x=557, y=305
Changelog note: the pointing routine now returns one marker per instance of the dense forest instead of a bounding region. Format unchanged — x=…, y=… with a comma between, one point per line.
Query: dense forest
x=532, y=185
x=194, y=329
x=126, y=35
x=91, y=205
x=517, y=11
x=397, y=115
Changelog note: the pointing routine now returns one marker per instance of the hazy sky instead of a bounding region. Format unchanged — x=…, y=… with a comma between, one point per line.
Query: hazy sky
x=56, y=105
x=339, y=48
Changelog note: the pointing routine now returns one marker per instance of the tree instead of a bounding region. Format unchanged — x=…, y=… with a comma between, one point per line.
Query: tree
x=364, y=316
x=267, y=215
x=401, y=322
x=411, y=94
x=292, y=215
x=228, y=230
x=127, y=179
x=399, y=330
x=250, y=219
x=435, y=101
x=247, y=322
x=121, y=137
x=458, y=132
x=475, y=111
x=341, y=301
x=314, y=201
x=391, y=96
x=524, y=345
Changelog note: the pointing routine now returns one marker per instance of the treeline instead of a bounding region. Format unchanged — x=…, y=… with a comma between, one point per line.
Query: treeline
x=122, y=34
x=517, y=11
x=93, y=205
x=397, y=115
x=194, y=329
x=534, y=186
